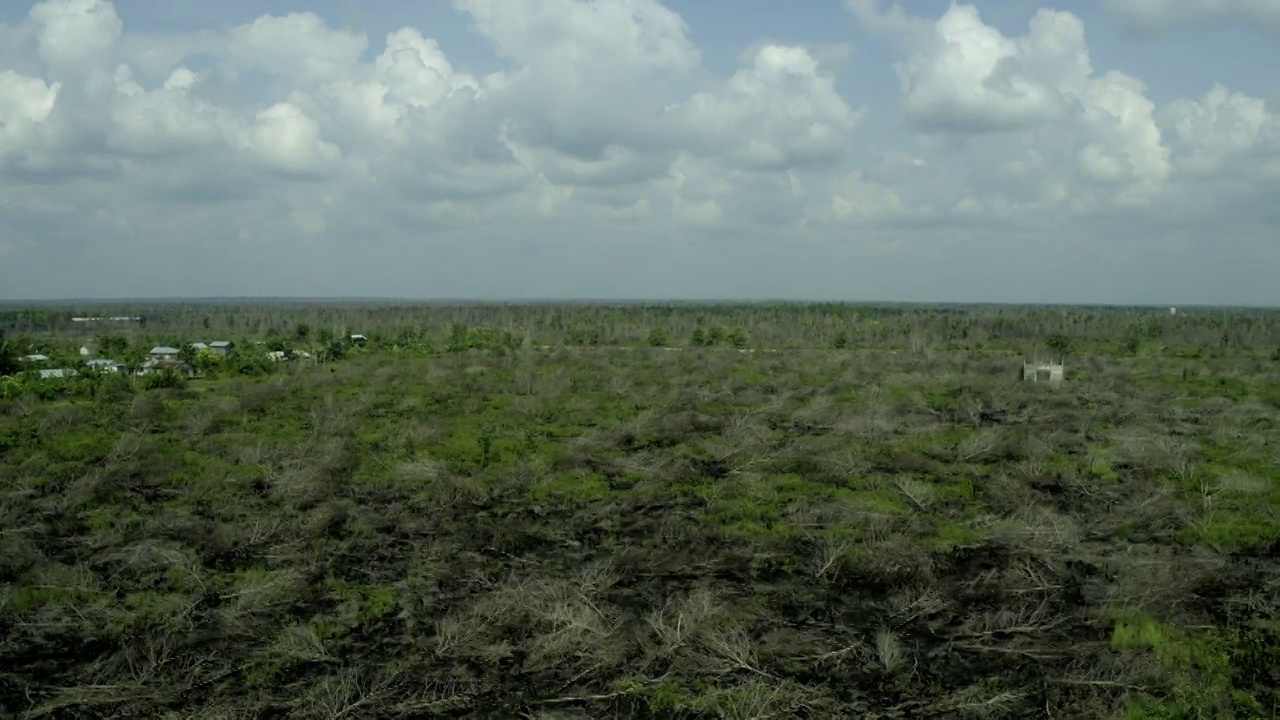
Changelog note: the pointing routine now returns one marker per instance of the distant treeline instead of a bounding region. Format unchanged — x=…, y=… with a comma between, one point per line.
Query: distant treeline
x=779, y=325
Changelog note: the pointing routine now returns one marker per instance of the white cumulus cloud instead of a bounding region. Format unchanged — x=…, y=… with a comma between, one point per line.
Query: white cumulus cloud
x=1033, y=105
x=25, y=103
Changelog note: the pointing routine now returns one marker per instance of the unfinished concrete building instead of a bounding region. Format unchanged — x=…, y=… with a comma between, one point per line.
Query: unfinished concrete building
x=1042, y=371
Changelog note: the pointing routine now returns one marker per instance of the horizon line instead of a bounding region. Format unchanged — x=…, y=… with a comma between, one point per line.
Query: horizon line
x=544, y=300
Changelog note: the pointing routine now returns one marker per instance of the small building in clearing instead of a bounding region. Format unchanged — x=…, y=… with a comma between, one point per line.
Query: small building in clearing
x=221, y=347
x=163, y=352
x=36, y=358
x=198, y=346
x=287, y=355
x=56, y=373
x=105, y=365
x=158, y=365
x=1049, y=372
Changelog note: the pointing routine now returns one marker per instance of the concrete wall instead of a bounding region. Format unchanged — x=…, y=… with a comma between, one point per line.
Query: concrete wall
x=1043, y=372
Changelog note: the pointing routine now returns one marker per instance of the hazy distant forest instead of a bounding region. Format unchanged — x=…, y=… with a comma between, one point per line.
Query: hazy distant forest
x=675, y=511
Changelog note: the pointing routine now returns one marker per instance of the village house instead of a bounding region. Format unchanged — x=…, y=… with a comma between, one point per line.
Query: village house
x=105, y=365
x=284, y=355
x=157, y=365
x=221, y=347
x=163, y=352
x=36, y=358
x=198, y=346
x=56, y=373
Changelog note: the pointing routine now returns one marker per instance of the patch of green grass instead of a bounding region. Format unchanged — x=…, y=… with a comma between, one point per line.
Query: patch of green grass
x=952, y=534
x=874, y=501
x=943, y=399
x=1200, y=668
x=24, y=598
x=745, y=515
x=573, y=486
x=1099, y=466
x=110, y=518
x=1235, y=529
x=1205, y=385
x=85, y=444
x=789, y=488
x=362, y=604
x=148, y=609
x=959, y=492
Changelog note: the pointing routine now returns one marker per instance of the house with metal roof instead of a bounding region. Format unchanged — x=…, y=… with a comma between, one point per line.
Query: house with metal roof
x=56, y=373
x=157, y=365
x=105, y=365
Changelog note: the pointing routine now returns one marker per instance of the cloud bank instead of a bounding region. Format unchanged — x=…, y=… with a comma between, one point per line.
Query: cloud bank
x=286, y=156
x=1165, y=15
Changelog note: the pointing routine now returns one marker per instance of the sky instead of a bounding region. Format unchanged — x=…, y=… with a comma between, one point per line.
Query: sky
x=1096, y=151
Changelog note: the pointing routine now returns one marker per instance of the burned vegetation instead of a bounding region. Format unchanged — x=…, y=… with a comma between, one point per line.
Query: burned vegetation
x=881, y=520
